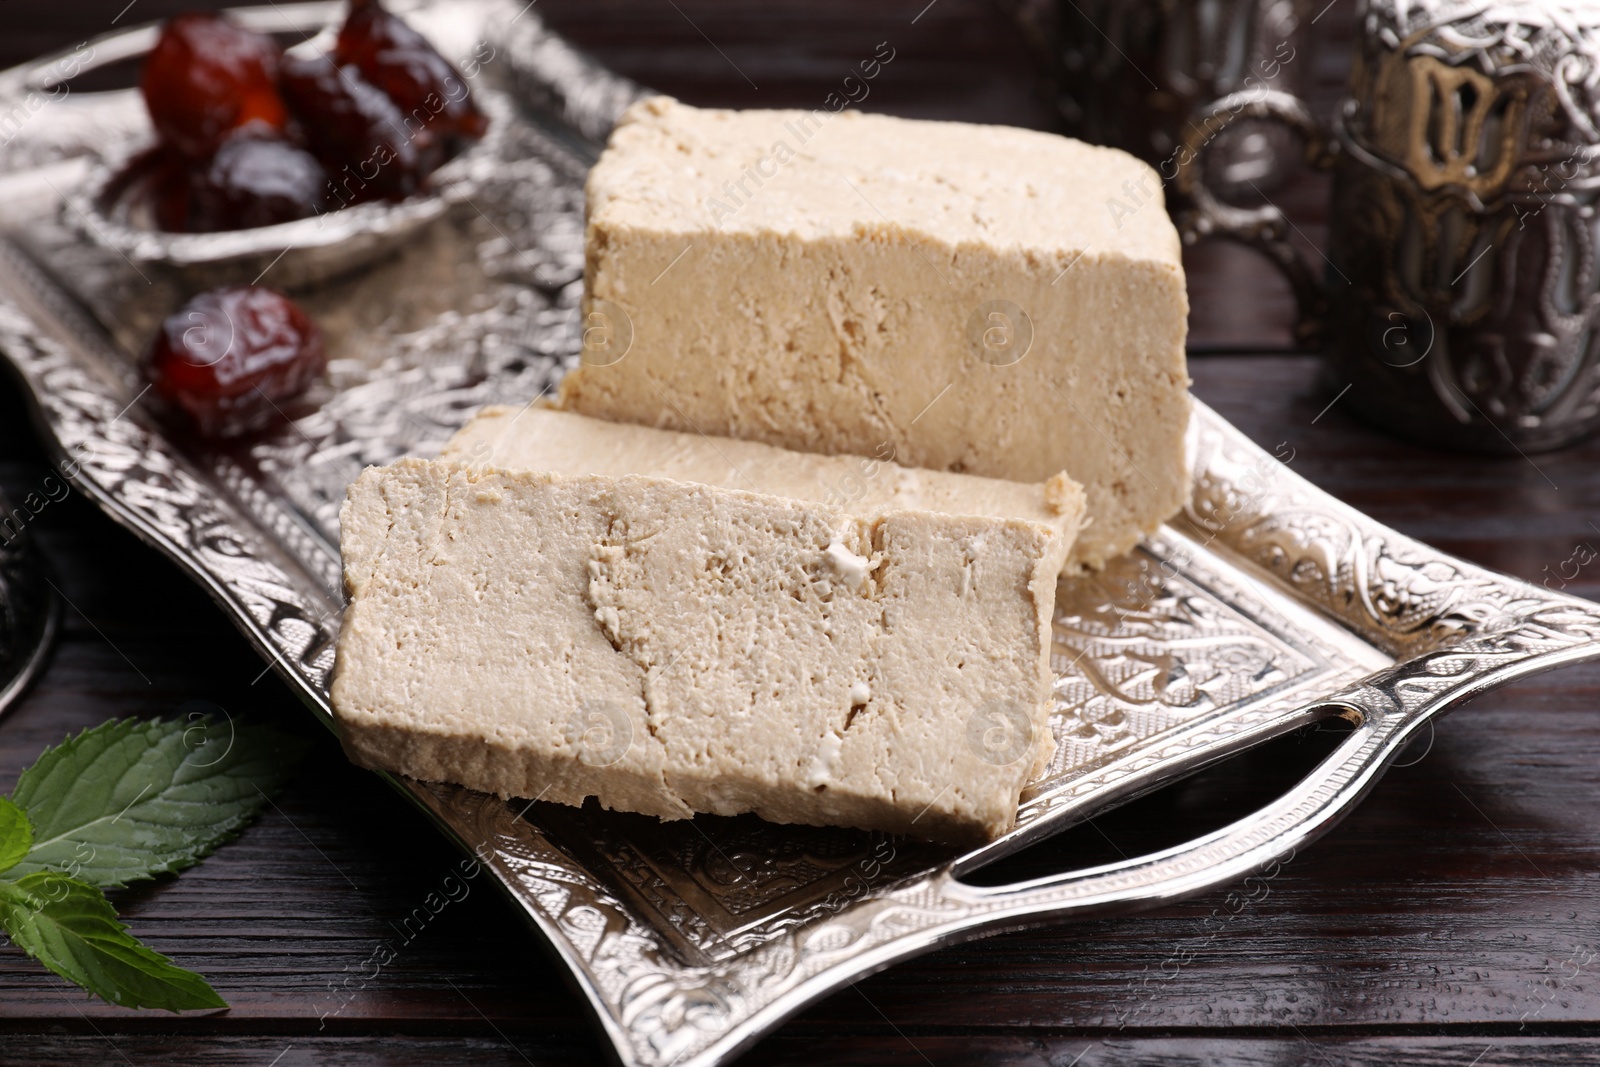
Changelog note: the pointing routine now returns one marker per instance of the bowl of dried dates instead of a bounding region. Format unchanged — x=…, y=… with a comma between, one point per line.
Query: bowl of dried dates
x=309, y=161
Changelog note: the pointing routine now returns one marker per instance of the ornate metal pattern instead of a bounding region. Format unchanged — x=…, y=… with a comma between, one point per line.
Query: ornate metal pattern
x=1462, y=293
x=149, y=486
x=1472, y=138
x=1265, y=606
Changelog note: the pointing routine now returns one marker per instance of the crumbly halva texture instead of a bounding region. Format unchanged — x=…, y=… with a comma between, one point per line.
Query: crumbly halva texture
x=995, y=301
x=672, y=648
x=561, y=442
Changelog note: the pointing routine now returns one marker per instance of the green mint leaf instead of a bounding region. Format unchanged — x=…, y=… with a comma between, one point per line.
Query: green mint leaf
x=16, y=835
x=134, y=798
x=71, y=928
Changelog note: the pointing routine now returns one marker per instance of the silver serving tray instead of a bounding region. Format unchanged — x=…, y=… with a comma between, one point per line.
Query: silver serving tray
x=1265, y=606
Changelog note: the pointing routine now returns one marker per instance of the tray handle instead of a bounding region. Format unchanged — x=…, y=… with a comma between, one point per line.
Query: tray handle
x=1388, y=708
x=1260, y=843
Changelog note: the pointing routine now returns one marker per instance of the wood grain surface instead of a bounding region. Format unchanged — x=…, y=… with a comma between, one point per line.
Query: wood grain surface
x=1454, y=918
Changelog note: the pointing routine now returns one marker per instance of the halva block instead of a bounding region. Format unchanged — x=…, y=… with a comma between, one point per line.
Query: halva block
x=981, y=299
x=671, y=648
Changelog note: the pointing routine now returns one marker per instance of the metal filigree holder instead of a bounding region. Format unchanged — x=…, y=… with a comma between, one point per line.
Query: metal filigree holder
x=1265, y=606
x=1462, y=291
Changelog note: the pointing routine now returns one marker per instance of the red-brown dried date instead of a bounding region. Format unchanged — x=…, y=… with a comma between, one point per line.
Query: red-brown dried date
x=397, y=59
x=356, y=130
x=206, y=77
x=255, y=181
x=230, y=358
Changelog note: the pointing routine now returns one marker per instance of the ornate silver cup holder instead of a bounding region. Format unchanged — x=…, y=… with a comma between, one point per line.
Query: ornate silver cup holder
x=1265, y=606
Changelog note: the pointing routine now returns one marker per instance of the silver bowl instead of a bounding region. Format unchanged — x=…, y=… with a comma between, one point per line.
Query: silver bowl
x=107, y=208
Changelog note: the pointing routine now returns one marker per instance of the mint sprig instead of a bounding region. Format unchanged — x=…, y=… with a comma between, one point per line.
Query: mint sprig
x=131, y=799
x=123, y=802
x=16, y=834
x=71, y=928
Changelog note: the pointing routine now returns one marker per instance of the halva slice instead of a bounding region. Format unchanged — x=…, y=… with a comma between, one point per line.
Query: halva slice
x=672, y=648
x=995, y=301
x=537, y=438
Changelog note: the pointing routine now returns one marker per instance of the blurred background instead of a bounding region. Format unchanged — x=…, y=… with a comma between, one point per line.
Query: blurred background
x=969, y=60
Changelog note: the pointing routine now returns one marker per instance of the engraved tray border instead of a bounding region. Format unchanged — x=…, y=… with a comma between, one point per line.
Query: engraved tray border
x=1427, y=630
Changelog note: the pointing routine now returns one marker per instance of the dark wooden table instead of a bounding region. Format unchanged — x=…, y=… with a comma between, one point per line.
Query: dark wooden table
x=1453, y=919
